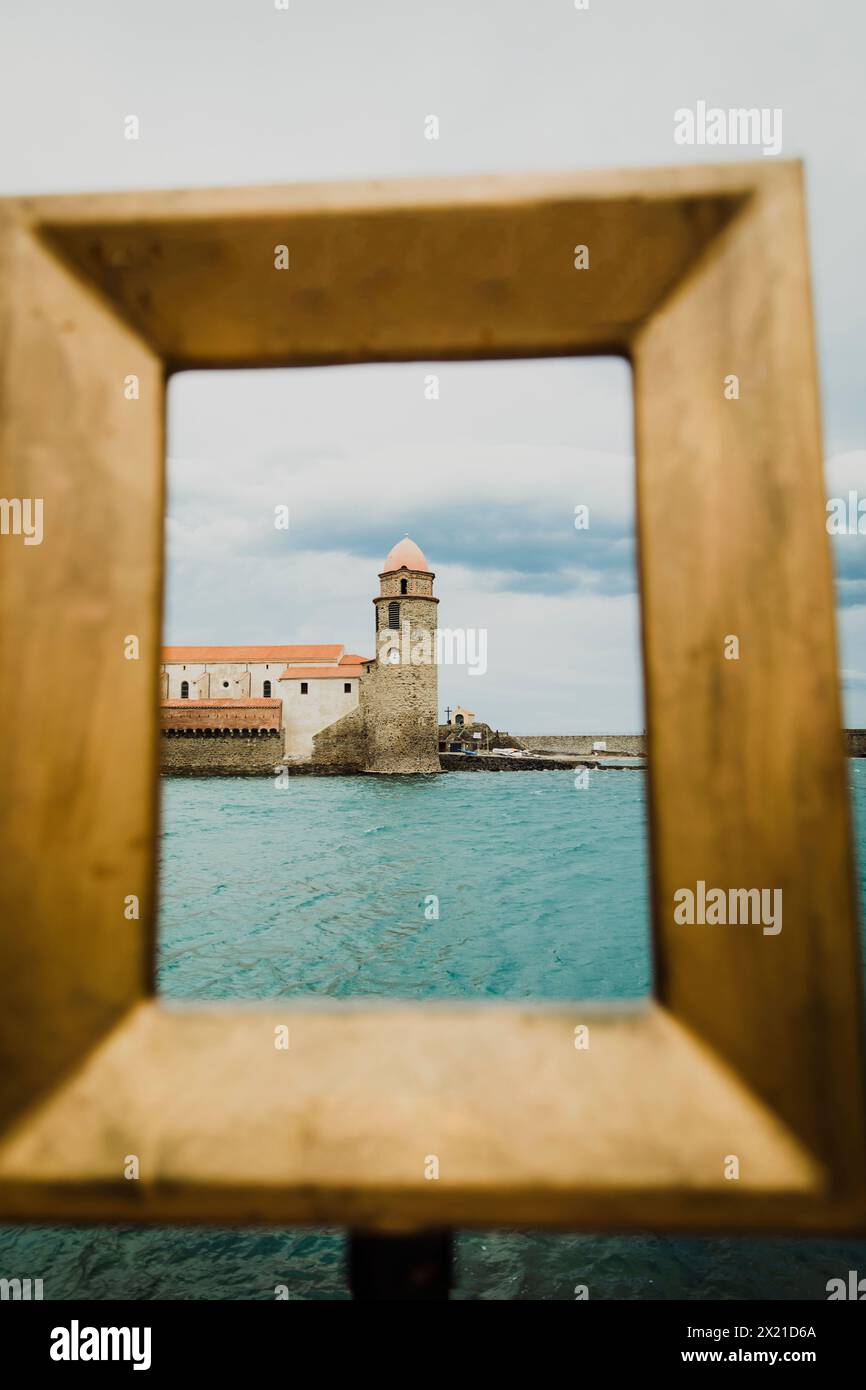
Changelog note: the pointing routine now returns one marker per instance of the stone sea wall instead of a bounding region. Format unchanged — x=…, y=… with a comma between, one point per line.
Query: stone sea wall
x=339, y=750
x=343, y=744
x=635, y=744
x=219, y=755
x=577, y=744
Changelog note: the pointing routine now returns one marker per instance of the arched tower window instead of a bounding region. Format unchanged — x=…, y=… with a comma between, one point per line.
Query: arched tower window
x=394, y=617
x=184, y=690
x=404, y=586
x=266, y=690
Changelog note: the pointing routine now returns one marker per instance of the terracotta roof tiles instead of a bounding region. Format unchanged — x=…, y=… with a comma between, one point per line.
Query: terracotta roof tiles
x=242, y=703
x=318, y=673
x=230, y=655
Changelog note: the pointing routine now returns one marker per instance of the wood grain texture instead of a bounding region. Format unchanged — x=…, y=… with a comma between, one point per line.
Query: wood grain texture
x=696, y=273
x=339, y=1128
x=391, y=271
x=748, y=784
x=78, y=746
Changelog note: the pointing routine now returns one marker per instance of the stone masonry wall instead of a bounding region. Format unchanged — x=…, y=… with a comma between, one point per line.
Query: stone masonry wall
x=219, y=755
x=478, y=762
x=342, y=745
x=400, y=702
x=399, y=705
x=633, y=744
x=416, y=583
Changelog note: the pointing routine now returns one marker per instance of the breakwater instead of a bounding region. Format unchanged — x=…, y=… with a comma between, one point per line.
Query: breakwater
x=630, y=745
x=479, y=762
x=634, y=745
x=226, y=755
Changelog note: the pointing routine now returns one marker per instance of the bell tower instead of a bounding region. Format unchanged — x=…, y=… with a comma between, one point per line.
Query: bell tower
x=402, y=689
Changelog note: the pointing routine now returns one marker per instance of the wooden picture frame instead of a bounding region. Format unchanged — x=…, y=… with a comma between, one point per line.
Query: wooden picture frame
x=752, y=1045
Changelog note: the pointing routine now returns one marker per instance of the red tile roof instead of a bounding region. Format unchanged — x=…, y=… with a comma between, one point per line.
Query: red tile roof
x=318, y=673
x=354, y=660
x=214, y=655
x=242, y=703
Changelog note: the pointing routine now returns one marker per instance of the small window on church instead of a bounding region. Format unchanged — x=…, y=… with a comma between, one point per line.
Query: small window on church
x=266, y=690
x=184, y=690
x=304, y=687
x=394, y=617
x=347, y=687
x=404, y=586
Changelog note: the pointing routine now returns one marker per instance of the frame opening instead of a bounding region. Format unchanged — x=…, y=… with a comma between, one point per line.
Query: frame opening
x=304, y=873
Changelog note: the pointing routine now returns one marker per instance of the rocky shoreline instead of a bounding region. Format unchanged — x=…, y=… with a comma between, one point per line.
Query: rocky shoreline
x=481, y=762
x=449, y=762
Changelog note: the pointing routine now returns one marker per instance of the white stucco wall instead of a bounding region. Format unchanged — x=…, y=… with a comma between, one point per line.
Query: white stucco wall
x=305, y=715
x=244, y=679
x=177, y=673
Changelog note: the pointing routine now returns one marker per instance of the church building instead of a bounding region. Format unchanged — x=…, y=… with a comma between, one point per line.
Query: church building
x=320, y=708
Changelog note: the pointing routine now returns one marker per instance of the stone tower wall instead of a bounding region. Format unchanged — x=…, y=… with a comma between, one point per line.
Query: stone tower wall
x=416, y=583
x=400, y=702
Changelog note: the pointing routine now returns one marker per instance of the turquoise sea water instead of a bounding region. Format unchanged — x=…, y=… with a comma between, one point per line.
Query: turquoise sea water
x=321, y=888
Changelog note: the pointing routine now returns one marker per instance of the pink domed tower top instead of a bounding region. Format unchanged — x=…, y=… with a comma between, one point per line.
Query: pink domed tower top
x=406, y=555
x=406, y=575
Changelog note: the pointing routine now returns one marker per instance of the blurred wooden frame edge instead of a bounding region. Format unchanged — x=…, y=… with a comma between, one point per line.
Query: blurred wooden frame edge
x=695, y=273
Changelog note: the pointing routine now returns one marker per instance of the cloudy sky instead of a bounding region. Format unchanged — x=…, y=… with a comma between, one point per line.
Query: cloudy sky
x=486, y=479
